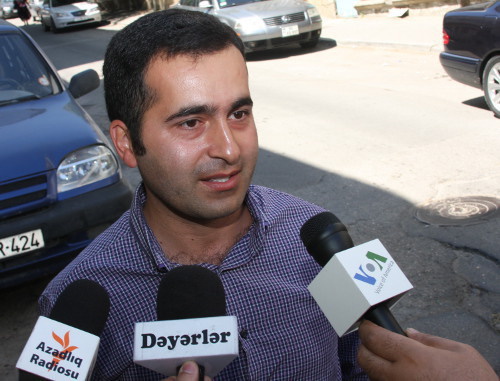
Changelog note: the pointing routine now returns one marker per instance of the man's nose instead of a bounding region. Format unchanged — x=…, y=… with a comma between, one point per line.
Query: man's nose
x=223, y=143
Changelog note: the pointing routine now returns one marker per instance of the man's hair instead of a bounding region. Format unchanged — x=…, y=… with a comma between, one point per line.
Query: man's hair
x=166, y=34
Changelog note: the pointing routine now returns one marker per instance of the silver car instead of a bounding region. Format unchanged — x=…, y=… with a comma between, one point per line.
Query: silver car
x=58, y=14
x=7, y=9
x=265, y=24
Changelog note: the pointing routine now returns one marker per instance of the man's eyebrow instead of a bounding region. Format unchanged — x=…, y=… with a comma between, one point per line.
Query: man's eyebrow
x=246, y=101
x=191, y=110
x=206, y=109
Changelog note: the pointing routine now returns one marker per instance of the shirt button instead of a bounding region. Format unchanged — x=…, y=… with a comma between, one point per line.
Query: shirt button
x=244, y=333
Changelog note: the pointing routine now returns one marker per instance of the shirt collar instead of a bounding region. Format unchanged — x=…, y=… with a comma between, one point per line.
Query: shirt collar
x=242, y=252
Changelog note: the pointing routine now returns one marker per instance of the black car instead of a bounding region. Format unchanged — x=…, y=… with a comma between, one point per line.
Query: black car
x=60, y=181
x=471, y=55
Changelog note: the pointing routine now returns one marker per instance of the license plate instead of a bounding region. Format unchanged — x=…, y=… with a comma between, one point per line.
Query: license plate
x=21, y=243
x=291, y=30
x=81, y=18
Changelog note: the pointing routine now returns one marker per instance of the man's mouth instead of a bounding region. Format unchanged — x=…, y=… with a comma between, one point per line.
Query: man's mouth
x=220, y=179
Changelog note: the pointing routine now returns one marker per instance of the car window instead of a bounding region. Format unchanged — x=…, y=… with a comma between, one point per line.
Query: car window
x=23, y=73
x=60, y=3
x=189, y=3
x=232, y=3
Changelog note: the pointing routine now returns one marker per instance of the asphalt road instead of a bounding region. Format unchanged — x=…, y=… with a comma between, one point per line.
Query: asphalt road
x=374, y=135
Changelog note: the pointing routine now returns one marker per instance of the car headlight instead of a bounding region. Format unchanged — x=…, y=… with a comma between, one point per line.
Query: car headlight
x=312, y=12
x=85, y=166
x=61, y=14
x=249, y=24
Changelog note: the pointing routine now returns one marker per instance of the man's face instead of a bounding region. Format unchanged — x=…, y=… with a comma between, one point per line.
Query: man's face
x=200, y=136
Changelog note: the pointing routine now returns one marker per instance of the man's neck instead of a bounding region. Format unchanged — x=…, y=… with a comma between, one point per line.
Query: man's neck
x=187, y=242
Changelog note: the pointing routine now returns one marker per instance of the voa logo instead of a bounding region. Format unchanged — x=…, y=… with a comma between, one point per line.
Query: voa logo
x=375, y=261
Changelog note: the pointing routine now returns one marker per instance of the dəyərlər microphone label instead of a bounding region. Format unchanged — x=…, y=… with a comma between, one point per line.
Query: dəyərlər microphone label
x=164, y=345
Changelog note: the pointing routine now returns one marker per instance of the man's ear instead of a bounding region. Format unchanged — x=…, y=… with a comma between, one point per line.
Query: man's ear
x=123, y=144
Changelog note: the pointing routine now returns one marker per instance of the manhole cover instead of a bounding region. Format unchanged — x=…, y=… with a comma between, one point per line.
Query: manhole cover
x=458, y=211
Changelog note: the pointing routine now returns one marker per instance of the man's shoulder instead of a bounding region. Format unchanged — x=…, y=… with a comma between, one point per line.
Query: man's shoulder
x=96, y=262
x=115, y=239
x=275, y=200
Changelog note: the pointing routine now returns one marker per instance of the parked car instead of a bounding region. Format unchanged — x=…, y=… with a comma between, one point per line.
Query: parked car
x=60, y=182
x=58, y=14
x=7, y=9
x=265, y=24
x=472, y=49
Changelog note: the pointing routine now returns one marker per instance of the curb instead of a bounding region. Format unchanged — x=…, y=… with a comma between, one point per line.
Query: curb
x=392, y=45
x=358, y=32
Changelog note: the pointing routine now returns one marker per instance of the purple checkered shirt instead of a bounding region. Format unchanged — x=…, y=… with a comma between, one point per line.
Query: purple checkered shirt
x=283, y=335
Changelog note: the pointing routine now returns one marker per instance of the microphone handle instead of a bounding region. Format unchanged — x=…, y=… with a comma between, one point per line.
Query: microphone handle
x=27, y=376
x=383, y=317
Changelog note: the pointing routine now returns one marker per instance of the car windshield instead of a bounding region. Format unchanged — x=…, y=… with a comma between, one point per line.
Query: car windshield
x=233, y=3
x=23, y=74
x=60, y=3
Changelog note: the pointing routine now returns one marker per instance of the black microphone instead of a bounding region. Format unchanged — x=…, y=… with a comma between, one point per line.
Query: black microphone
x=190, y=292
x=84, y=305
x=324, y=236
x=192, y=325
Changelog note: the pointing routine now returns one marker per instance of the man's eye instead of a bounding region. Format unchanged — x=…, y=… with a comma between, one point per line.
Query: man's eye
x=239, y=114
x=191, y=123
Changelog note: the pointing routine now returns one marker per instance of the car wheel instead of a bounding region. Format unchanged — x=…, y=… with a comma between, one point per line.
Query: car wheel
x=491, y=85
x=310, y=44
x=53, y=27
x=46, y=28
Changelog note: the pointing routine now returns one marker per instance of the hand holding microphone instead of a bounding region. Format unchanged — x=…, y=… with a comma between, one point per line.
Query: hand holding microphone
x=189, y=371
x=388, y=356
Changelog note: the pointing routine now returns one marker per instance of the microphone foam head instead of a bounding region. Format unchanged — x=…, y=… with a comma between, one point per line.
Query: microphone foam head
x=189, y=292
x=314, y=227
x=323, y=236
x=84, y=304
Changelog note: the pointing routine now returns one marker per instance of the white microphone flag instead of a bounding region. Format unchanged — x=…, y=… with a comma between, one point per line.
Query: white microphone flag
x=355, y=280
x=59, y=352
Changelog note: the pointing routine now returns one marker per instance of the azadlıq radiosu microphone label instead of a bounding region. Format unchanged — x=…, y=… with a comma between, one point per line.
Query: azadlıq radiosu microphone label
x=355, y=280
x=164, y=345
x=57, y=351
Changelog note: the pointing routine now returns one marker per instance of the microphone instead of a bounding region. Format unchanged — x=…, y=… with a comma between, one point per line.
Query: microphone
x=64, y=346
x=192, y=325
x=355, y=282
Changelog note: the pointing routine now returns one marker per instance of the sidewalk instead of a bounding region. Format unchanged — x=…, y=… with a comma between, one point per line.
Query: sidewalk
x=421, y=30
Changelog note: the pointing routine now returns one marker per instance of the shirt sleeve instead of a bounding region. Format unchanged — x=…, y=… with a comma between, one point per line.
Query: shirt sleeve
x=44, y=305
x=348, y=351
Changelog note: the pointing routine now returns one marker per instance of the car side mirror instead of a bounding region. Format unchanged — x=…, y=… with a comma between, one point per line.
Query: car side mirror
x=83, y=83
x=205, y=4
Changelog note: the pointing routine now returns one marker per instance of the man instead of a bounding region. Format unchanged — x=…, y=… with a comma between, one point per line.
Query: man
x=388, y=356
x=177, y=95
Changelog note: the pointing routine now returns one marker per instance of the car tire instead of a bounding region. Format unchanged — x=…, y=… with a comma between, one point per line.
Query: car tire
x=310, y=44
x=45, y=27
x=53, y=27
x=491, y=84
